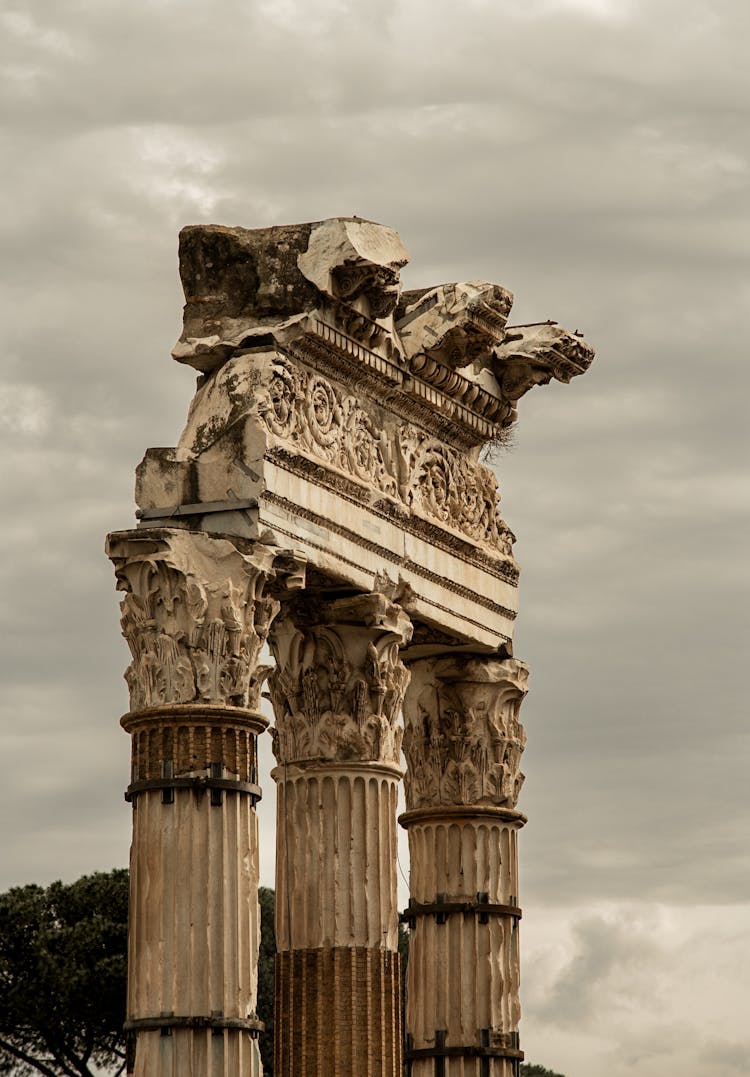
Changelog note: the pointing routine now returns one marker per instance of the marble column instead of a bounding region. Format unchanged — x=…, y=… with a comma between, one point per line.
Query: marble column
x=463, y=744
x=195, y=617
x=337, y=692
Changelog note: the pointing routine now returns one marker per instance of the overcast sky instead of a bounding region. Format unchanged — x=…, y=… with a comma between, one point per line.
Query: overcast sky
x=593, y=157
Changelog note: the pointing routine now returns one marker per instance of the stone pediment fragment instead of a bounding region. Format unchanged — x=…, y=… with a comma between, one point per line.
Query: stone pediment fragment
x=334, y=285
x=351, y=259
x=458, y=324
x=535, y=354
x=243, y=284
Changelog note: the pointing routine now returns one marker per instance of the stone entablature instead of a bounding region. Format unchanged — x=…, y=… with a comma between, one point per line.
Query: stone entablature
x=403, y=468
x=324, y=391
x=335, y=434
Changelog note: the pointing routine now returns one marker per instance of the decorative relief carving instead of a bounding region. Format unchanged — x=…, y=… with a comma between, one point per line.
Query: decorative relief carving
x=339, y=683
x=535, y=354
x=247, y=288
x=455, y=324
x=194, y=615
x=242, y=285
x=399, y=460
x=463, y=739
x=306, y=410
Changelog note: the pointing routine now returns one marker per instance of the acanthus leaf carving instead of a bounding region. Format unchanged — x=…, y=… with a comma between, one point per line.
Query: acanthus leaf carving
x=463, y=740
x=339, y=683
x=194, y=615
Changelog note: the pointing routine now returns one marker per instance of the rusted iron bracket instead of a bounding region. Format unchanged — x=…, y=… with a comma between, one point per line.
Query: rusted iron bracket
x=164, y=1023
x=441, y=909
x=199, y=783
x=484, y=1051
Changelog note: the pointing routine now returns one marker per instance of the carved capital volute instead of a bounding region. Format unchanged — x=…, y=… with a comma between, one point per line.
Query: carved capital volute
x=195, y=616
x=463, y=739
x=339, y=683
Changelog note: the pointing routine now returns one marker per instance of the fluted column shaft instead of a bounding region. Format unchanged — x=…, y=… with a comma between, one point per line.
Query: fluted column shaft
x=195, y=617
x=337, y=692
x=463, y=744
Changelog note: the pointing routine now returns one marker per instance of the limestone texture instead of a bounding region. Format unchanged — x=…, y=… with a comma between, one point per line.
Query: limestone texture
x=463, y=744
x=337, y=690
x=195, y=616
x=329, y=496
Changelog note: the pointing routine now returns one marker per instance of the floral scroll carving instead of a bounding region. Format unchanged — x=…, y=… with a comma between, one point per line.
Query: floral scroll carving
x=306, y=410
x=194, y=615
x=339, y=683
x=419, y=472
x=463, y=739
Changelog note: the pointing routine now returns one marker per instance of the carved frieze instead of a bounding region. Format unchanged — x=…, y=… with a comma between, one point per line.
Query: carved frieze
x=194, y=615
x=400, y=460
x=250, y=287
x=463, y=739
x=338, y=684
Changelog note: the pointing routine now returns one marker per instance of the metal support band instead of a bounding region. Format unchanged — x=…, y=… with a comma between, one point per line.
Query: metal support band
x=472, y=1050
x=167, y=512
x=440, y=1038
x=199, y=783
x=441, y=909
x=482, y=1050
x=166, y=1022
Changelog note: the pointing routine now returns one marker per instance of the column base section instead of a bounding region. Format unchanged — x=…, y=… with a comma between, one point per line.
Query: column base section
x=461, y=1061
x=186, y=1052
x=338, y=1013
x=462, y=1009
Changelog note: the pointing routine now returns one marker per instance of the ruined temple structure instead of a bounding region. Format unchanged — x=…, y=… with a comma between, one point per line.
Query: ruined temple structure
x=327, y=500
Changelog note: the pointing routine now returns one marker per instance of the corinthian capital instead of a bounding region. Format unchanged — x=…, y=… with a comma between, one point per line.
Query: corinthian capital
x=194, y=615
x=463, y=740
x=339, y=683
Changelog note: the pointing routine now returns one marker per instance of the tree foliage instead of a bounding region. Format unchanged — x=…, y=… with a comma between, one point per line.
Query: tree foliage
x=63, y=967
x=266, y=960
x=63, y=963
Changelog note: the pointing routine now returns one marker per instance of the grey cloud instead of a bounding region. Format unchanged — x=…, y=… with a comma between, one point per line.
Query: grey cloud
x=644, y=987
x=727, y=1058
x=596, y=165
x=527, y=176
x=604, y=950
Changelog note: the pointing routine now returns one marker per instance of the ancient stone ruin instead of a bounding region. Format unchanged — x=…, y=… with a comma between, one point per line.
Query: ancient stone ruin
x=327, y=498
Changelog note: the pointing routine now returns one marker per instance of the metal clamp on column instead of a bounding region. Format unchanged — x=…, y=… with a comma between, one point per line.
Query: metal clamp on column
x=441, y=909
x=165, y=1023
x=484, y=1050
x=198, y=782
x=204, y=508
